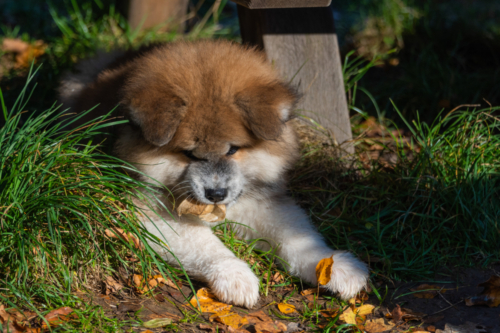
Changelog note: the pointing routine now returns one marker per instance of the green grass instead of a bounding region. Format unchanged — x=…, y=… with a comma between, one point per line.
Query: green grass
x=58, y=195
x=438, y=205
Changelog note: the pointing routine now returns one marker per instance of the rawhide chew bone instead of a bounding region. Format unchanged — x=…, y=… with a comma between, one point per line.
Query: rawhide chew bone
x=208, y=213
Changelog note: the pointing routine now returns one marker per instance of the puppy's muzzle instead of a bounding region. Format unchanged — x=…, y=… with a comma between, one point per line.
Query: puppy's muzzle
x=216, y=195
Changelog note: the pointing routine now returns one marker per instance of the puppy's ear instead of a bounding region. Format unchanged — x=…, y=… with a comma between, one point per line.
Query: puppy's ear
x=157, y=111
x=265, y=108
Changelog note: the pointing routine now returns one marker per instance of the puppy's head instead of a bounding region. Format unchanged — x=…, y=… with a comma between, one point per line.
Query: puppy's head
x=212, y=118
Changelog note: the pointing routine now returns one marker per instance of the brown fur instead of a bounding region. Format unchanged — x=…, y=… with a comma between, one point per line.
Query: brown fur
x=202, y=96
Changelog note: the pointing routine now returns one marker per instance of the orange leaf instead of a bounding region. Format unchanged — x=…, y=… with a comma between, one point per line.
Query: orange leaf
x=270, y=327
x=58, y=316
x=126, y=236
x=490, y=295
x=208, y=302
x=324, y=270
x=332, y=313
x=286, y=308
x=229, y=318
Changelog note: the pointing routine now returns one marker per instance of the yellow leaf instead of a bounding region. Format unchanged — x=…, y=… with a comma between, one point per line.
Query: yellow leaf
x=208, y=302
x=324, y=270
x=355, y=315
x=229, y=318
x=286, y=308
x=364, y=310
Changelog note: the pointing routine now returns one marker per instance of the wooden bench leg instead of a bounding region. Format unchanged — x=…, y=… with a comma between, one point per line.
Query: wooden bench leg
x=302, y=44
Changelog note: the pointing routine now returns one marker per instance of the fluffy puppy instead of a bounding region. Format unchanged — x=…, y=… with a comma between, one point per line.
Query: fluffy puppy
x=208, y=119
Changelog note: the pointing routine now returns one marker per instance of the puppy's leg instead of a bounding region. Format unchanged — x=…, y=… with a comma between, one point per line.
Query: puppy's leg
x=204, y=256
x=287, y=226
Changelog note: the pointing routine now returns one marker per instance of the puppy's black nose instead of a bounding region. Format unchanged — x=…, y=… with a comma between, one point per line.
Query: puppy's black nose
x=215, y=195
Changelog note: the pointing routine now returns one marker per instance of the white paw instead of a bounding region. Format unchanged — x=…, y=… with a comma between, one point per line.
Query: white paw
x=234, y=282
x=349, y=275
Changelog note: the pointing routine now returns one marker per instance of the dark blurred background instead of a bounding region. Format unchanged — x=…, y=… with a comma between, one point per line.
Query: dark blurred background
x=432, y=55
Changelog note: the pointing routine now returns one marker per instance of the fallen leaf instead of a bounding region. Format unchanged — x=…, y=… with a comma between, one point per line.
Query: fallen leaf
x=286, y=308
x=324, y=270
x=377, y=326
x=427, y=291
x=355, y=316
x=270, y=327
x=24, y=59
x=468, y=327
x=112, y=285
x=58, y=316
x=406, y=314
x=332, y=313
x=155, y=323
x=208, y=302
x=14, y=45
x=208, y=213
x=258, y=316
x=431, y=328
x=397, y=314
x=147, y=331
x=159, y=280
x=490, y=295
x=229, y=318
x=126, y=236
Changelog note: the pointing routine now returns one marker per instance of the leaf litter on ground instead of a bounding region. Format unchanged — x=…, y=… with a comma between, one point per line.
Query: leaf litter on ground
x=490, y=295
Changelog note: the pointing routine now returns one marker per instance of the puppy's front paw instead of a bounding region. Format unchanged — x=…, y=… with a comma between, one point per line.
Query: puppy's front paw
x=349, y=275
x=234, y=282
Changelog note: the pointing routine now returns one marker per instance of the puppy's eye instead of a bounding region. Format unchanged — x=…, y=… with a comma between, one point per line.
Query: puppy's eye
x=232, y=151
x=190, y=155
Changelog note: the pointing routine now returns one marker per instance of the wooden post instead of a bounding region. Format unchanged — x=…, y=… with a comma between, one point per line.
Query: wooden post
x=154, y=12
x=302, y=44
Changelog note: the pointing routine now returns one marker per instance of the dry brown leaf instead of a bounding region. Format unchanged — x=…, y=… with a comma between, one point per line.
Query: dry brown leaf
x=397, y=314
x=258, y=316
x=324, y=270
x=147, y=331
x=377, y=326
x=208, y=302
x=126, y=236
x=229, y=318
x=14, y=45
x=58, y=316
x=158, y=280
x=332, y=313
x=208, y=213
x=286, y=308
x=406, y=314
x=24, y=59
x=431, y=328
x=428, y=291
x=309, y=291
x=270, y=327
x=490, y=295
x=112, y=285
